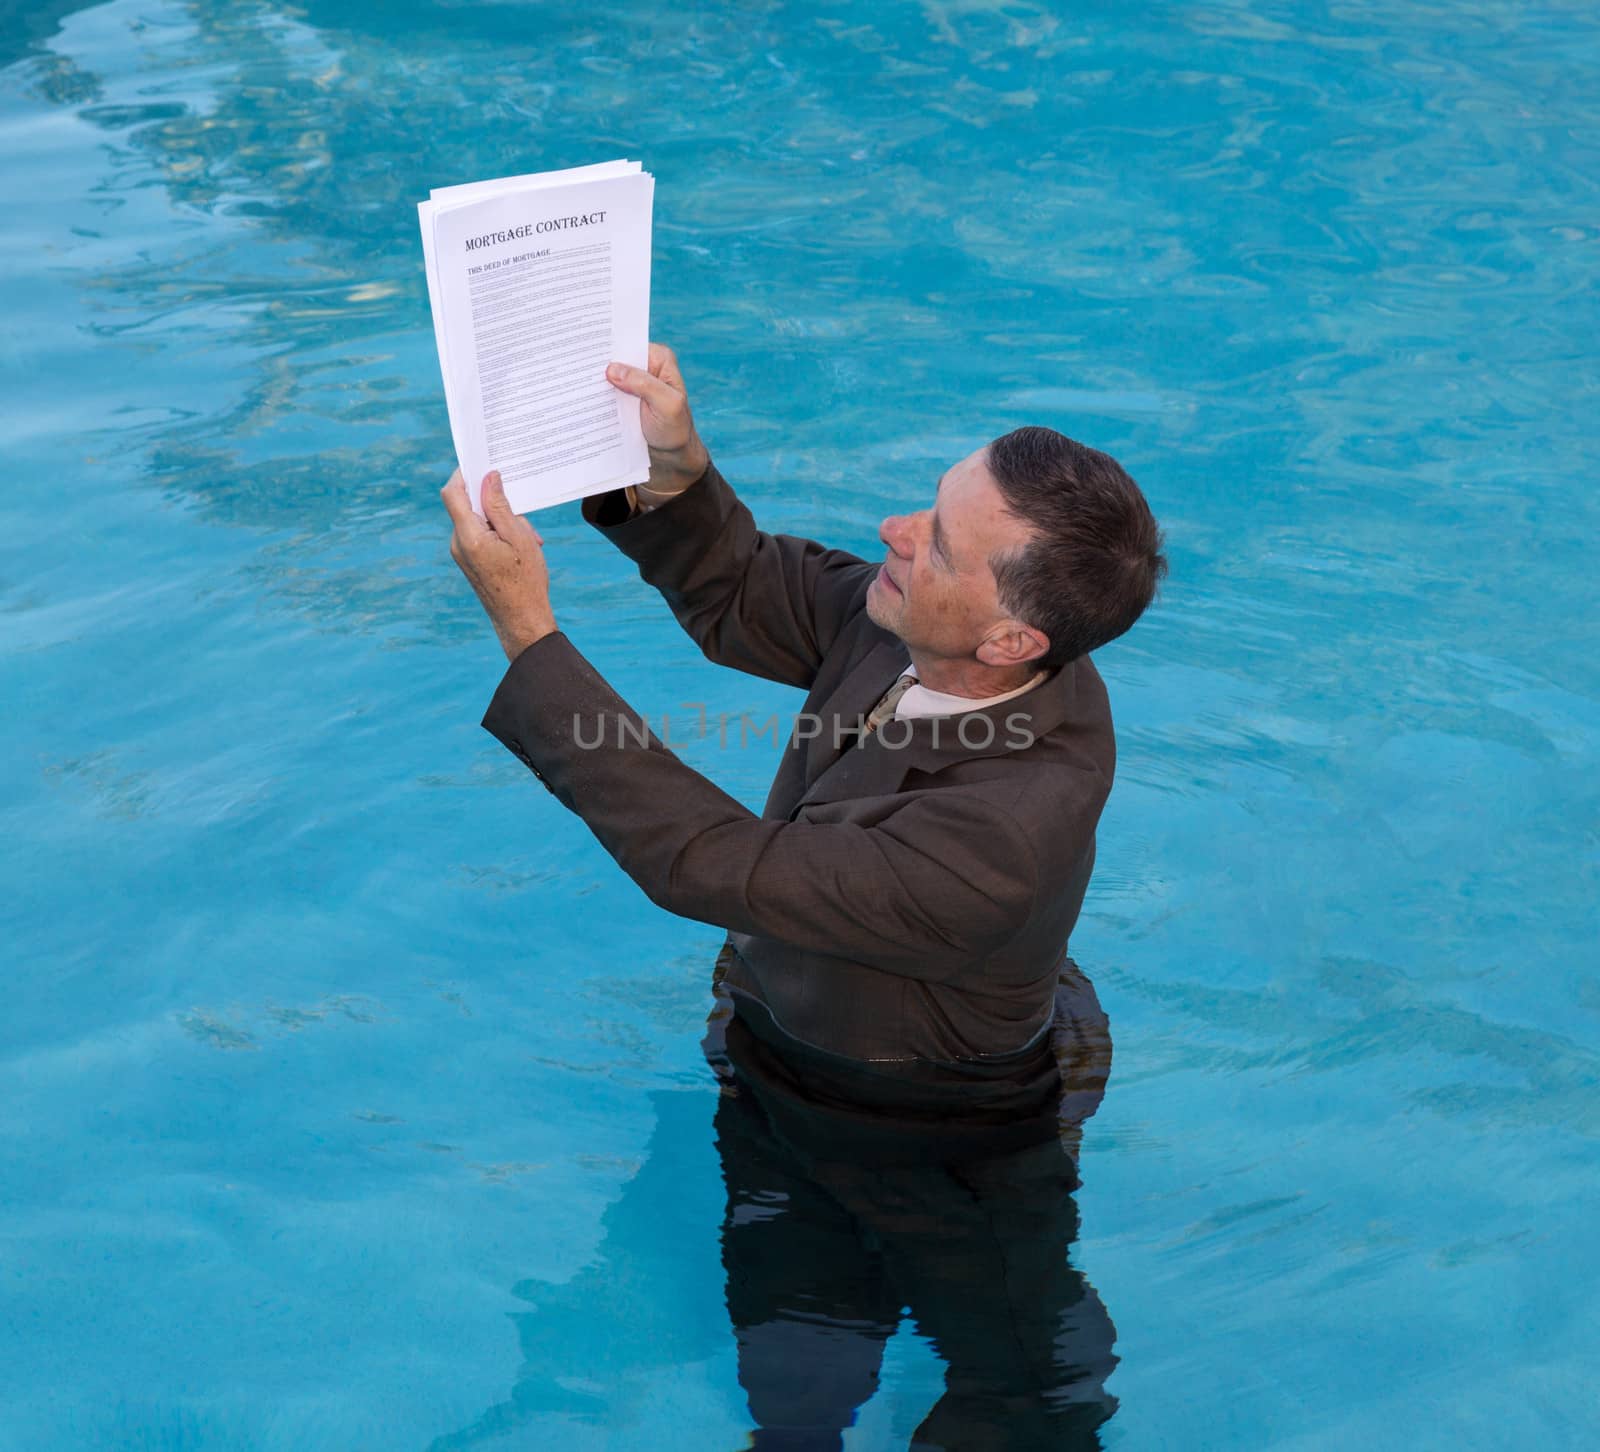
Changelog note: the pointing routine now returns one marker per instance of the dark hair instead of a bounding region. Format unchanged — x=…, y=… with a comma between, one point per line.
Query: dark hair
x=1094, y=558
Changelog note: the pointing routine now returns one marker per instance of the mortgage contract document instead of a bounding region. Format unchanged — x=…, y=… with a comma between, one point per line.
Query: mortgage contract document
x=536, y=283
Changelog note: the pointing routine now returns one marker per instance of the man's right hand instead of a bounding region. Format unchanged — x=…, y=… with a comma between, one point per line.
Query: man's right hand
x=677, y=457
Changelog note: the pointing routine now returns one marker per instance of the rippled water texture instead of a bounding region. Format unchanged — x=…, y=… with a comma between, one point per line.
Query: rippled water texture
x=339, y=1069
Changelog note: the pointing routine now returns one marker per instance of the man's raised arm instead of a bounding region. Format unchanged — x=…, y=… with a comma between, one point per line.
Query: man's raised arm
x=767, y=604
x=928, y=893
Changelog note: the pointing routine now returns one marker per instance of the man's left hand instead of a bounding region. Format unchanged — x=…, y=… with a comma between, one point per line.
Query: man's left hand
x=502, y=557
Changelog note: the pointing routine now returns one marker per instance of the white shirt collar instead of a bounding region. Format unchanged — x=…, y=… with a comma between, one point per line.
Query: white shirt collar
x=919, y=700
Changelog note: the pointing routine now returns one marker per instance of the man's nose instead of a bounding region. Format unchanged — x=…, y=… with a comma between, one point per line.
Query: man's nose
x=893, y=532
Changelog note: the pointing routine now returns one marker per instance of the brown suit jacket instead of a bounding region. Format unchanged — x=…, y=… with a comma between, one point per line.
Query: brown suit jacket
x=900, y=909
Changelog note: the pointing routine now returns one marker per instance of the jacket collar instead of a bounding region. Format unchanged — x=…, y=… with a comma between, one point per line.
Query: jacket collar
x=837, y=767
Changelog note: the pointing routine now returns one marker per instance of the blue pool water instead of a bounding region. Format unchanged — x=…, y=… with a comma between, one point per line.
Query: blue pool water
x=341, y=1074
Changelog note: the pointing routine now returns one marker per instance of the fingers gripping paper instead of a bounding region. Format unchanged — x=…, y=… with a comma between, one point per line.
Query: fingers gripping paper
x=536, y=283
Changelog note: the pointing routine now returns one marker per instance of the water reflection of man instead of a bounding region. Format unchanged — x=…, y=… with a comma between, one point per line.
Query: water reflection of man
x=898, y=915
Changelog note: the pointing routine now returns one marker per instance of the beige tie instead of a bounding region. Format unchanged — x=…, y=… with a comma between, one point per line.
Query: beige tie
x=884, y=710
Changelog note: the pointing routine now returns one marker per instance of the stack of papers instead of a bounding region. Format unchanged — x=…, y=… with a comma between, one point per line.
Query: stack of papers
x=536, y=283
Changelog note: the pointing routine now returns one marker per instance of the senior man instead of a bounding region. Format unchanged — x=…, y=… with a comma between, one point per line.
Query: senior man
x=899, y=913
x=906, y=1049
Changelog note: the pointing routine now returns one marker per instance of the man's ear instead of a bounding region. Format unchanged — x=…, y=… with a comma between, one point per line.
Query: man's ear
x=1011, y=643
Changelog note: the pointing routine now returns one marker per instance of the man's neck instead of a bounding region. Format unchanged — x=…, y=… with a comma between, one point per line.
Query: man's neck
x=971, y=678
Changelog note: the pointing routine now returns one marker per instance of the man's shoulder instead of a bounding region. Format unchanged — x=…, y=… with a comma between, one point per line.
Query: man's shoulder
x=1055, y=773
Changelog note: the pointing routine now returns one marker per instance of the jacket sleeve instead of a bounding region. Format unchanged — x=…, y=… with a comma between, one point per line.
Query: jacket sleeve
x=928, y=892
x=766, y=604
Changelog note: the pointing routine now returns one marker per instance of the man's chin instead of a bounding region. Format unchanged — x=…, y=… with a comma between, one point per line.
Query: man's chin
x=877, y=612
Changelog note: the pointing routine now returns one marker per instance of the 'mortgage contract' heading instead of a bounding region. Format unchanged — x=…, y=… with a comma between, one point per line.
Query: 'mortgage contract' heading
x=553, y=224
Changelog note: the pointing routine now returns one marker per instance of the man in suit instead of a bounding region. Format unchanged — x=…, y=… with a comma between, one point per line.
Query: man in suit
x=898, y=914
x=894, y=988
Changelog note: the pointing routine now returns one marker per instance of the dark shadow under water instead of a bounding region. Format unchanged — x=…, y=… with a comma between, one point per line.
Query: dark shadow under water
x=827, y=1246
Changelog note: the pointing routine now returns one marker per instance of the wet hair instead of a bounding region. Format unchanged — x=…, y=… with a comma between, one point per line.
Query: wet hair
x=1094, y=558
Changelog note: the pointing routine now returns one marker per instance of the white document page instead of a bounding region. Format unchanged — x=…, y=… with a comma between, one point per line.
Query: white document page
x=474, y=191
x=471, y=190
x=536, y=284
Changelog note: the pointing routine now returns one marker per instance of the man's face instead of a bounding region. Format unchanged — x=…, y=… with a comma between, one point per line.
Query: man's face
x=936, y=590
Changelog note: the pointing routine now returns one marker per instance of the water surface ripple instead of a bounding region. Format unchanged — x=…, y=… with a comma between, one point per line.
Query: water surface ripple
x=331, y=1042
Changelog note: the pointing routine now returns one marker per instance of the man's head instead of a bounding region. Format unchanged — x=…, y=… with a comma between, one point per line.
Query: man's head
x=1036, y=550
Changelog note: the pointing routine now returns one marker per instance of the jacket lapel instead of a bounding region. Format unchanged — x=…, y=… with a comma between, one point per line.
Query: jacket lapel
x=842, y=714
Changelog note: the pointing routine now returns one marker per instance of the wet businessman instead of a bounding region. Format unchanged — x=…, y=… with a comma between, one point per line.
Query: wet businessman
x=895, y=983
